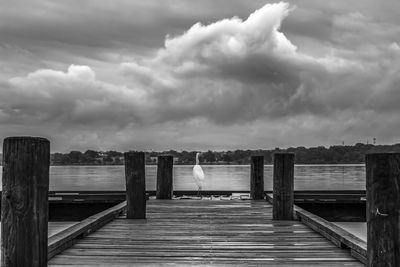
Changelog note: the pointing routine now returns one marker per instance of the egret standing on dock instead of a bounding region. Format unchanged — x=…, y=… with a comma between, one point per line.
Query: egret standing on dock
x=198, y=174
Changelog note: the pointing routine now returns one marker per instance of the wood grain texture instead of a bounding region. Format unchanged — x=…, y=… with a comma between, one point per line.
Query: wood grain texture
x=164, y=177
x=66, y=238
x=283, y=184
x=337, y=235
x=383, y=209
x=257, y=177
x=56, y=227
x=205, y=233
x=135, y=185
x=24, y=206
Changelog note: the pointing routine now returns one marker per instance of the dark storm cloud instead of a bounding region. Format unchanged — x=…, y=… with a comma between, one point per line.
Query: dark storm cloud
x=129, y=25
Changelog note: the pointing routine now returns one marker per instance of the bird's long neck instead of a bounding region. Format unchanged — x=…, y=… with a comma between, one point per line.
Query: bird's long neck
x=197, y=159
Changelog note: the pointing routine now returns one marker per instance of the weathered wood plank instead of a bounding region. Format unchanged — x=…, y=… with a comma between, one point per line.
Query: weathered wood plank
x=67, y=237
x=164, y=177
x=56, y=227
x=24, y=204
x=135, y=185
x=338, y=236
x=383, y=209
x=191, y=232
x=283, y=184
x=257, y=177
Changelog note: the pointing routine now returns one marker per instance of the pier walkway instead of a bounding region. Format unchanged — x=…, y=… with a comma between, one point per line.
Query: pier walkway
x=206, y=233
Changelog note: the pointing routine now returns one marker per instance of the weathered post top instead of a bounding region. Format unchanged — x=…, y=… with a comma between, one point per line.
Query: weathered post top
x=24, y=206
x=383, y=208
x=257, y=177
x=164, y=177
x=135, y=185
x=283, y=186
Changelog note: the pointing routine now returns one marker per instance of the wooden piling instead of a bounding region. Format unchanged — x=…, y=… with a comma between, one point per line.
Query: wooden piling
x=164, y=177
x=257, y=177
x=383, y=209
x=24, y=205
x=135, y=185
x=283, y=186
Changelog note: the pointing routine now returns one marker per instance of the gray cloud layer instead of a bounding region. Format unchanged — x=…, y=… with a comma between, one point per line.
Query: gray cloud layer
x=285, y=75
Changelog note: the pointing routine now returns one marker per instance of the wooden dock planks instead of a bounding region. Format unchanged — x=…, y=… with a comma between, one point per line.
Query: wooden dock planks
x=205, y=232
x=56, y=227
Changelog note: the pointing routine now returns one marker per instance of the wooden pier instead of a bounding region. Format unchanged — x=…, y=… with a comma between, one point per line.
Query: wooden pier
x=204, y=232
x=247, y=231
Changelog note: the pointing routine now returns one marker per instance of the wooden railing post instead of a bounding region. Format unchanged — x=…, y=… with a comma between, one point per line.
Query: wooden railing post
x=383, y=209
x=283, y=186
x=24, y=202
x=135, y=185
x=164, y=177
x=257, y=177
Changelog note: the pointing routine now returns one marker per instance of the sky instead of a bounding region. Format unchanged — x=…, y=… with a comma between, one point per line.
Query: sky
x=199, y=75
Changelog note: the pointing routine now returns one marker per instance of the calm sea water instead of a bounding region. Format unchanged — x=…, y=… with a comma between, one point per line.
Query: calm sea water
x=217, y=177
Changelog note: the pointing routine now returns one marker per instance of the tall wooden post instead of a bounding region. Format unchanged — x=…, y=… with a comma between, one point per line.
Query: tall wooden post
x=24, y=202
x=135, y=185
x=164, y=177
x=257, y=177
x=283, y=186
x=383, y=209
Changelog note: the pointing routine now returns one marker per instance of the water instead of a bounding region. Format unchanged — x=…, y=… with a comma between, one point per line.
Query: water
x=217, y=177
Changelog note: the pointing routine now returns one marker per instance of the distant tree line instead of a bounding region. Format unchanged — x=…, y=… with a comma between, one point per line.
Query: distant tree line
x=313, y=155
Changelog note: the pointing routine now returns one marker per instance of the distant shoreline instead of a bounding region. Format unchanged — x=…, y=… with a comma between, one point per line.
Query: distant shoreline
x=339, y=154
x=222, y=164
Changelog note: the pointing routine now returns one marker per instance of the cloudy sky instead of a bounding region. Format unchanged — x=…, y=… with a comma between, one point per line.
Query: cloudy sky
x=210, y=74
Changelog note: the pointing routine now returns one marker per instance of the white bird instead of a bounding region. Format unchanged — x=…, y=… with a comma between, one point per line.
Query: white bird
x=198, y=174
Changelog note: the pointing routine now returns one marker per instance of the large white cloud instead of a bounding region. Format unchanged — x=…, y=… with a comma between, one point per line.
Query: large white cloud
x=237, y=69
x=229, y=70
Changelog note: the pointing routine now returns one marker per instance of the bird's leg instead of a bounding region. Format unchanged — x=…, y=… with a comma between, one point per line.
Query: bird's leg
x=198, y=191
